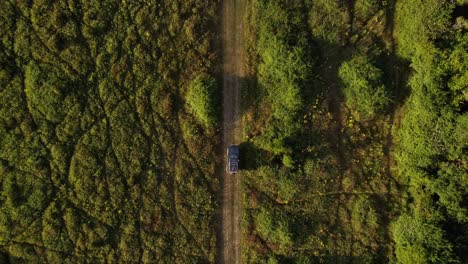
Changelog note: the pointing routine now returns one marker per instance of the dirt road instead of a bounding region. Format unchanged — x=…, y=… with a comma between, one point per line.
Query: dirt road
x=232, y=46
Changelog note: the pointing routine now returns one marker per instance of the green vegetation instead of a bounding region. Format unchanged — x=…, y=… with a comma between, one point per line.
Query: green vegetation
x=282, y=72
x=419, y=23
x=363, y=89
x=202, y=99
x=432, y=139
x=354, y=116
x=101, y=158
x=421, y=241
x=364, y=216
x=357, y=136
x=328, y=21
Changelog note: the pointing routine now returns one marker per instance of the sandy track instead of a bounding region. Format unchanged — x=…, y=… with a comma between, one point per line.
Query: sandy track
x=232, y=47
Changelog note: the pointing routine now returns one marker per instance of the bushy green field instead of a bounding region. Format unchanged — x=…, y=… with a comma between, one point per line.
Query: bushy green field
x=103, y=157
x=356, y=140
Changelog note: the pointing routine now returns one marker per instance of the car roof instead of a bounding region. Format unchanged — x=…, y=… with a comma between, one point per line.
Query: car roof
x=234, y=149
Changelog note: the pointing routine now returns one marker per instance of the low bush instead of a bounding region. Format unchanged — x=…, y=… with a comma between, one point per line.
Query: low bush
x=364, y=215
x=272, y=229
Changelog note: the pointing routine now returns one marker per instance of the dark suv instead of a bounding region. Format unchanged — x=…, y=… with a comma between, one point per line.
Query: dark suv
x=232, y=165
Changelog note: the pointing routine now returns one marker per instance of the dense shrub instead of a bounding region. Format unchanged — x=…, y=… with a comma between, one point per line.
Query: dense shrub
x=283, y=71
x=420, y=241
x=366, y=8
x=328, y=21
x=431, y=144
x=431, y=137
x=280, y=73
x=201, y=98
x=363, y=88
x=418, y=22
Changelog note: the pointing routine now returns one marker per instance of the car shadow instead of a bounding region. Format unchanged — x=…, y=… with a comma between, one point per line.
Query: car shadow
x=251, y=157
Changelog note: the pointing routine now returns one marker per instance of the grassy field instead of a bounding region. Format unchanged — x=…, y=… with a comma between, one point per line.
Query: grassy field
x=108, y=128
x=338, y=128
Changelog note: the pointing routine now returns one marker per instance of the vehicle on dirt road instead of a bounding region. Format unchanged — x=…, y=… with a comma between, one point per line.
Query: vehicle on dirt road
x=232, y=165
